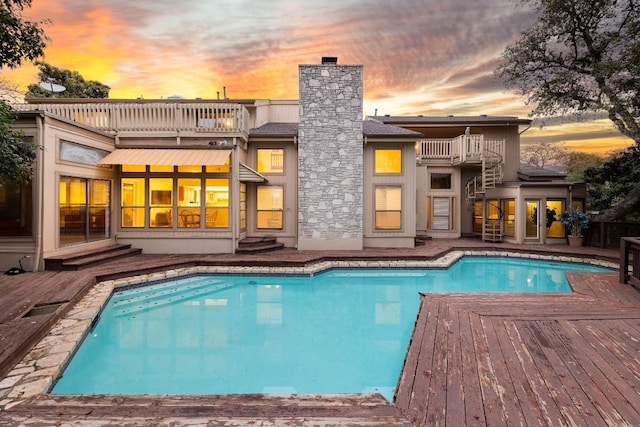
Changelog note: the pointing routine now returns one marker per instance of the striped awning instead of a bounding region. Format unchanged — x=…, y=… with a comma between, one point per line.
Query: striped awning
x=246, y=174
x=166, y=157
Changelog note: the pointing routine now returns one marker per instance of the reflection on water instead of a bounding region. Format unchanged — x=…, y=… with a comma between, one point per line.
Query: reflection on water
x=345, y=331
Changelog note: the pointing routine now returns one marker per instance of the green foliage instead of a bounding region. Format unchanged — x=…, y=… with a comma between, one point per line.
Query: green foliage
x=19, y=38
x=575, y=221
x=609, y=184
x=16, y=152
x=580, y=56
x=75, y=85
x=577, y=162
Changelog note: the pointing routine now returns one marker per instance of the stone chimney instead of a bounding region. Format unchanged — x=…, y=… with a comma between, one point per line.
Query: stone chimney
x=330, y=157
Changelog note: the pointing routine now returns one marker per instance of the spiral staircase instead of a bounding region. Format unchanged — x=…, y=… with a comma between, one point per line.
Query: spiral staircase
x=490, y=175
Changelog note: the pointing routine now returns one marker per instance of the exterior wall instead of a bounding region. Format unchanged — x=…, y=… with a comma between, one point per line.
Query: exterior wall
x=456, y=195
x=512, y=149
x=54, y=168
x=275, y=111
x=405, y=237
x=288, y=180
x=330, y=155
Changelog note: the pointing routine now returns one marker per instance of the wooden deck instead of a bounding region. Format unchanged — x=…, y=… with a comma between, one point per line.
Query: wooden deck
x=523, y=359
x=474, y=359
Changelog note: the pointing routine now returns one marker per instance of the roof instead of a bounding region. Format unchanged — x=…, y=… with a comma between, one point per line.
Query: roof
x=275, y=129
x=370, y=127
x=373, y=127
x=533, y=173
x=451, y=120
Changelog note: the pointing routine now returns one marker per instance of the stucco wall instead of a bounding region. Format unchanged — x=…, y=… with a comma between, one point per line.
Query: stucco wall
x=330, y=157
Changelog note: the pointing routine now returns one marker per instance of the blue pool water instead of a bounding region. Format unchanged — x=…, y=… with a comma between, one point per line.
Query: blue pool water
x=343, y=331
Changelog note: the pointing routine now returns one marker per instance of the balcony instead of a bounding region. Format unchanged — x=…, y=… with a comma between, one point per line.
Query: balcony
x=135, y=118
x=463, y=149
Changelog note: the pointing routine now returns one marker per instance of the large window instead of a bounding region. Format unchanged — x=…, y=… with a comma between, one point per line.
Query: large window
x=388, y=202
x=84, y=210
x=175, y=202
x=16, y=209
x=388, y=161
x=270, y=207
x=271, y=160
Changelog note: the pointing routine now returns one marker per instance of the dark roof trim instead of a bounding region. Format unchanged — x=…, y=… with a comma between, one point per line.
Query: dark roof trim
x=452, y=120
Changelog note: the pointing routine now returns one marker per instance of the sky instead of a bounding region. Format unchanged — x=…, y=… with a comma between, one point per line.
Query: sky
x=429, y=57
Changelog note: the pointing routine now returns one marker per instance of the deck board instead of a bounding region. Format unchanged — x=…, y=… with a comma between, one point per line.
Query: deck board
x=474, y=359
x=560, y=359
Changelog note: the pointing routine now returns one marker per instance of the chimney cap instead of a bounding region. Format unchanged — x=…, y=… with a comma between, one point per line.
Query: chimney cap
x=329, y=60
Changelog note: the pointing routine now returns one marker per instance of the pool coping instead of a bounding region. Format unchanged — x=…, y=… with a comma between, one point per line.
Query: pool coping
x=36, y=373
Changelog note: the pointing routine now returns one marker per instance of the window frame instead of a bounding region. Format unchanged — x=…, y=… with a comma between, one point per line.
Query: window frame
x=399, y=211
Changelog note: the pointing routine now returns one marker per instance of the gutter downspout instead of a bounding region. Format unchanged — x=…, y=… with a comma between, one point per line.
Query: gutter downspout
x=38, y=255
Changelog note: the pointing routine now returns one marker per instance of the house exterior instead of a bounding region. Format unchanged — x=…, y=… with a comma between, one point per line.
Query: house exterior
x=199, y=176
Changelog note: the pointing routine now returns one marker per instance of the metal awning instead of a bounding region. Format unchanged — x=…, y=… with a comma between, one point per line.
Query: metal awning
x=249, y=175
x=165, y=156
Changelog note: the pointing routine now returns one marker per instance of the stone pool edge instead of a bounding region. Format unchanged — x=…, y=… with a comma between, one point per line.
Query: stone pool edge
x=37, y=371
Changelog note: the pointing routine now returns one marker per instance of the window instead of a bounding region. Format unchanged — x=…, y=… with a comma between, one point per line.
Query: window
x=84, y=210
x=554, y=209
x=388, y=161
x=192, y=200
x=270, y=206
x=189, y=193
x=508, y=217
x=16, y=209
x=441, y=181
x=388, y=202
x=478, y=216
x=132, y=206
x=217, y=203
x=161, y=202
x=77, y=153
x=243, y=206
x=271, y=160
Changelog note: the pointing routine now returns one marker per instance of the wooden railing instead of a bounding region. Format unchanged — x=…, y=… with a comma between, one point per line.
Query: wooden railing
x=630, y=260
x=604, y=234
x=461, y=149
x=149, y=117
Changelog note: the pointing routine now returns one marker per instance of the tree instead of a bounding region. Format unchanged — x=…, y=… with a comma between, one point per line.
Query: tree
x=582, y=56
x=75, y=85
x=20, y=39
x=576, y=162
x=16, y=152
x=543, y=153
x=613, y=182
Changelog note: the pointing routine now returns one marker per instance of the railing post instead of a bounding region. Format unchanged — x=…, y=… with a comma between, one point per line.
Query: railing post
x=624, y=260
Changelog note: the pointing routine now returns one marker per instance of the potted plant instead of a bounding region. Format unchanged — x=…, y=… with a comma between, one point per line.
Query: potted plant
x=574, y=221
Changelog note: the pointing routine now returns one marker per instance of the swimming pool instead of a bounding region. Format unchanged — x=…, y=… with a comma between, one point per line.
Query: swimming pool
x=342, y=331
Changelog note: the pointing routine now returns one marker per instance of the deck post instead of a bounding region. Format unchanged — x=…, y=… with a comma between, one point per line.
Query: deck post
x=624, y=260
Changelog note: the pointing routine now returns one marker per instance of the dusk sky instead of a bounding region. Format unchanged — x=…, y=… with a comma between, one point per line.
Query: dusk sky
x=420, y=56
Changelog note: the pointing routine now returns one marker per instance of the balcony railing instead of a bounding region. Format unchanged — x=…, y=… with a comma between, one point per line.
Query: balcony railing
x=134, y=117
x=461, y=149
x=630, y=261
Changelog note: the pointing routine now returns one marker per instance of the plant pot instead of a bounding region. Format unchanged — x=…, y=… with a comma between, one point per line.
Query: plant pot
x=576, y=241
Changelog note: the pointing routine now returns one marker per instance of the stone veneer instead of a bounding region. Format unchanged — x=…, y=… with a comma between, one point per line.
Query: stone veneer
x=330, y=158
